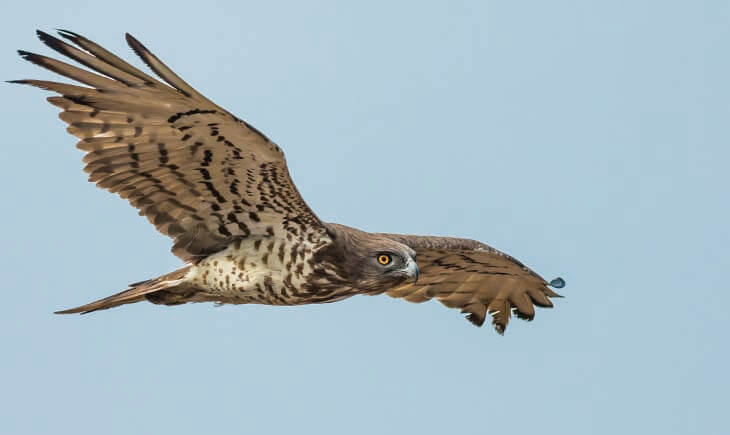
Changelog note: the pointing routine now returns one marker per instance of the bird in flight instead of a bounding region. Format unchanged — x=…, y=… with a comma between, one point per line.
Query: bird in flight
x=222, y=191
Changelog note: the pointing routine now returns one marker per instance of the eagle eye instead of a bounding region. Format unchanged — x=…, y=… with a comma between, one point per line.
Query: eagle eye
x=384, y=259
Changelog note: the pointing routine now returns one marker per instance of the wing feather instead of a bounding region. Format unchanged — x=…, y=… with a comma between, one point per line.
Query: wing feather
x=89, y=61
x=475, y=278
x=110, y=59
x=70, y=71
x=163, y=70
x=199, y=174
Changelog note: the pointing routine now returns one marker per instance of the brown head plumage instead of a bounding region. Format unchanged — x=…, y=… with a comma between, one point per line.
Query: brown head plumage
x=370, y=263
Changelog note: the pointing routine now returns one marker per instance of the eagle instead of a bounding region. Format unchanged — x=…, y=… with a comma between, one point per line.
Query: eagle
x=222, y=191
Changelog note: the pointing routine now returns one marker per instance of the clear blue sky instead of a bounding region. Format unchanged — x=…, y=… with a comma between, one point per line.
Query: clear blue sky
x=589, y=139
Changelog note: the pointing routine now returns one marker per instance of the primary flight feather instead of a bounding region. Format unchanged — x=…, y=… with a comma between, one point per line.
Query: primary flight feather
x=222, y=191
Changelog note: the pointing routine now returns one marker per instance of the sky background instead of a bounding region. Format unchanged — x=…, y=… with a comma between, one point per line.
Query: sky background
x=588, y=139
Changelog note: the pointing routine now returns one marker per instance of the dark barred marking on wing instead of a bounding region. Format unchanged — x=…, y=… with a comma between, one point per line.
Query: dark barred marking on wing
x=200, y=174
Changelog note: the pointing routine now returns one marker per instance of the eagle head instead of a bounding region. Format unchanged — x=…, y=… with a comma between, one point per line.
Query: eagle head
x=370, y=263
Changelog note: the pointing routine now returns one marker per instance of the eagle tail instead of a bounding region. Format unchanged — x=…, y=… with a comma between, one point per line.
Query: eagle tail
x=137, y=292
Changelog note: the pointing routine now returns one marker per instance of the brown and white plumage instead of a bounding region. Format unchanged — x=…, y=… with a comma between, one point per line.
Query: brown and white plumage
x=222, y=191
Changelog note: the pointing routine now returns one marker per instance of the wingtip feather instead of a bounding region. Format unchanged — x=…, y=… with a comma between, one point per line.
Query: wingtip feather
x=140, y=50
x=71, y=36
x=67, y=33
x=33, y=58
x=134, y=44
x=46, y=38
x=54, y=43
x=70, y=311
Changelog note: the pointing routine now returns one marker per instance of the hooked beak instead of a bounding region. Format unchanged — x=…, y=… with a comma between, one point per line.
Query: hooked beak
x=413, y=270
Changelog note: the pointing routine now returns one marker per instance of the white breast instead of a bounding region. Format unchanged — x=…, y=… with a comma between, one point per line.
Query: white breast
x=266, y=270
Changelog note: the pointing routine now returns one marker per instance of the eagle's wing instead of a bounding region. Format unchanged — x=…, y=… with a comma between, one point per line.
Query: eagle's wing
x=476, y=278
x=199, y=174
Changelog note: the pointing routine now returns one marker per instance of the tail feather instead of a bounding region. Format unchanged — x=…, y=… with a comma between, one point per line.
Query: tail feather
x=136, y=293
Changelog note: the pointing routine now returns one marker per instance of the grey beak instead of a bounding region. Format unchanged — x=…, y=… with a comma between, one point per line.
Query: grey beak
x=413, y=270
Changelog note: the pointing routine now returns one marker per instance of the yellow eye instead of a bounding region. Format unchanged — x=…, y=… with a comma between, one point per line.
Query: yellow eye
x=384, y=259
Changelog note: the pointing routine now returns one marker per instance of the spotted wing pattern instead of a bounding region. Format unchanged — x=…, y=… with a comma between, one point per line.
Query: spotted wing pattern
x=199, y=174
x=475, y=278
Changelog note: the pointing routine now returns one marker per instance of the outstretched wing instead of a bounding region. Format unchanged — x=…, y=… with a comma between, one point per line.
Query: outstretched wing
x=199, y=174
x=476, y=278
